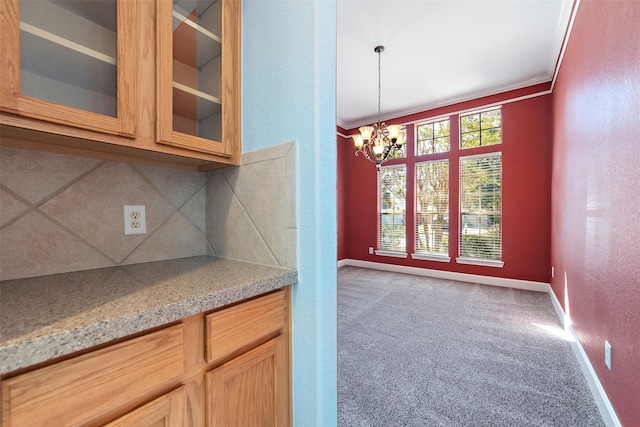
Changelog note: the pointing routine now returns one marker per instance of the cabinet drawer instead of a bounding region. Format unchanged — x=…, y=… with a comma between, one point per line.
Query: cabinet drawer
x=80, y=389
x=235, y=327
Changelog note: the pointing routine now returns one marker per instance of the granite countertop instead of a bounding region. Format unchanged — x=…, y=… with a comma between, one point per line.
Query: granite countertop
x=45, y=317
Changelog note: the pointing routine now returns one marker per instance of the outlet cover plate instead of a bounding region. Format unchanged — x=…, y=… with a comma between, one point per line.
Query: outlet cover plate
x=135, y=219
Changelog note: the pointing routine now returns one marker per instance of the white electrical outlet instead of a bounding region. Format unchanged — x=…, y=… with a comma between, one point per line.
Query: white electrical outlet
x=553, y=272
x=135, y=220
x=607, y=354
x=370, y=250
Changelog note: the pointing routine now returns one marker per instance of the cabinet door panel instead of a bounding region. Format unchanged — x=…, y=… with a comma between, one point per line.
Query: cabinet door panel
x=71, y=62
x=250, y=390
x=166, y=411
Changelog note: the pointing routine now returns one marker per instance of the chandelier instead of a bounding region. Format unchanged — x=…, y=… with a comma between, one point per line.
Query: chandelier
x=379, y=142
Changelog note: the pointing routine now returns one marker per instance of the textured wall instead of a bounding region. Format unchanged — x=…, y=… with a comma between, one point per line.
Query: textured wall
x=62, y=213
x=596, y=197
x=289, y=94
x=344, y=152
x=526, y=191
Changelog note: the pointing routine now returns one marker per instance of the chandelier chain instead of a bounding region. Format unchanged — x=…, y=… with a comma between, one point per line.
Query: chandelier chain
x=379, y=83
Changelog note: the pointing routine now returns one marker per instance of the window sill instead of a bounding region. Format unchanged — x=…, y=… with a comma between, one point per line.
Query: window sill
x=392, y=254
x=431, y=257
x=480, y=261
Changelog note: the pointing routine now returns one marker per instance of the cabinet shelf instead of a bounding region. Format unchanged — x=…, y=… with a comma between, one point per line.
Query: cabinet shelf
x=69, y=26
x=50, y=65
x=69, y=44
x=72, y=65
x=197, y=93
x=196, y=112
x=208, y=45
x=205, y=32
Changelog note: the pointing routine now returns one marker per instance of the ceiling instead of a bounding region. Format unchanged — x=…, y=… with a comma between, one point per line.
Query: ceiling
x=438, y=52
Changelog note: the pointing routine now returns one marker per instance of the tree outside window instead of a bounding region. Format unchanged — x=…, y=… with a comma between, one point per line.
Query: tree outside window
x=432, y=207
x=481, y=129
x=433, y=137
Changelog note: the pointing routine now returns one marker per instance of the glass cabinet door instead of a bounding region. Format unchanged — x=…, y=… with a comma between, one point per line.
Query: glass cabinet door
x=75, y=62
x=68, y=53
x=196, y=64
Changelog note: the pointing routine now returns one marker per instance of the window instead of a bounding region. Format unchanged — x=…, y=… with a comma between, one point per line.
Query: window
x=393, y=190
x=433, y=138
x=432, y=208
x=481, y=206
x=481, y=129
x=423, y=175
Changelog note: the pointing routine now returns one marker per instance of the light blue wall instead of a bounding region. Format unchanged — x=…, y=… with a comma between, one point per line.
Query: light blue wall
x=288, y=84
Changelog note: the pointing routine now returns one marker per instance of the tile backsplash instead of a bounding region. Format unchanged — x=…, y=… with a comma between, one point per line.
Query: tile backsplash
x=62, y=213
x=251, y=210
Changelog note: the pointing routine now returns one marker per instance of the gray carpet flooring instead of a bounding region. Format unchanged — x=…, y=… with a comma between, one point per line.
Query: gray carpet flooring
x=418, y=351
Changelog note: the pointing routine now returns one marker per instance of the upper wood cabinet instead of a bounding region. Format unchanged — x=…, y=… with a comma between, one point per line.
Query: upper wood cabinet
x=199, y=74
x=155, y=82
x=71, y=62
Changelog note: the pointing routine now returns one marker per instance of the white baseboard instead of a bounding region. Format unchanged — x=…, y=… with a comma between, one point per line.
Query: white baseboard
x=450, y=275
x=604, y=405
x=342, y=263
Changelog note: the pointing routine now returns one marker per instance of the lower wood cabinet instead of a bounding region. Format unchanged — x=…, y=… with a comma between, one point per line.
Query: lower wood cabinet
x=167, y=377
x=93, y=385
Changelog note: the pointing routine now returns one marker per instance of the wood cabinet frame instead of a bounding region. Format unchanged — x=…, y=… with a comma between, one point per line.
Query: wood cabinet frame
x=230, y=90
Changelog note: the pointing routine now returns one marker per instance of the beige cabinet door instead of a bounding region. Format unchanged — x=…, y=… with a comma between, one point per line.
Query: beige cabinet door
x=165, y=411
x=251, y=390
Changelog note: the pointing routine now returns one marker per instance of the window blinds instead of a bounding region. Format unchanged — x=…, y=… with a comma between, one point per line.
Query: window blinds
x=481, y=206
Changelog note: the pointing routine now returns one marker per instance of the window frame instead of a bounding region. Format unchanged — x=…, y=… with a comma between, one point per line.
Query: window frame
x=411, y=159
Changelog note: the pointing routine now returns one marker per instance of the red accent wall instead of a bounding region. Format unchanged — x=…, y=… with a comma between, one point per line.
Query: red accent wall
x=526, y=150
x=596, y=193
x=342, y=151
